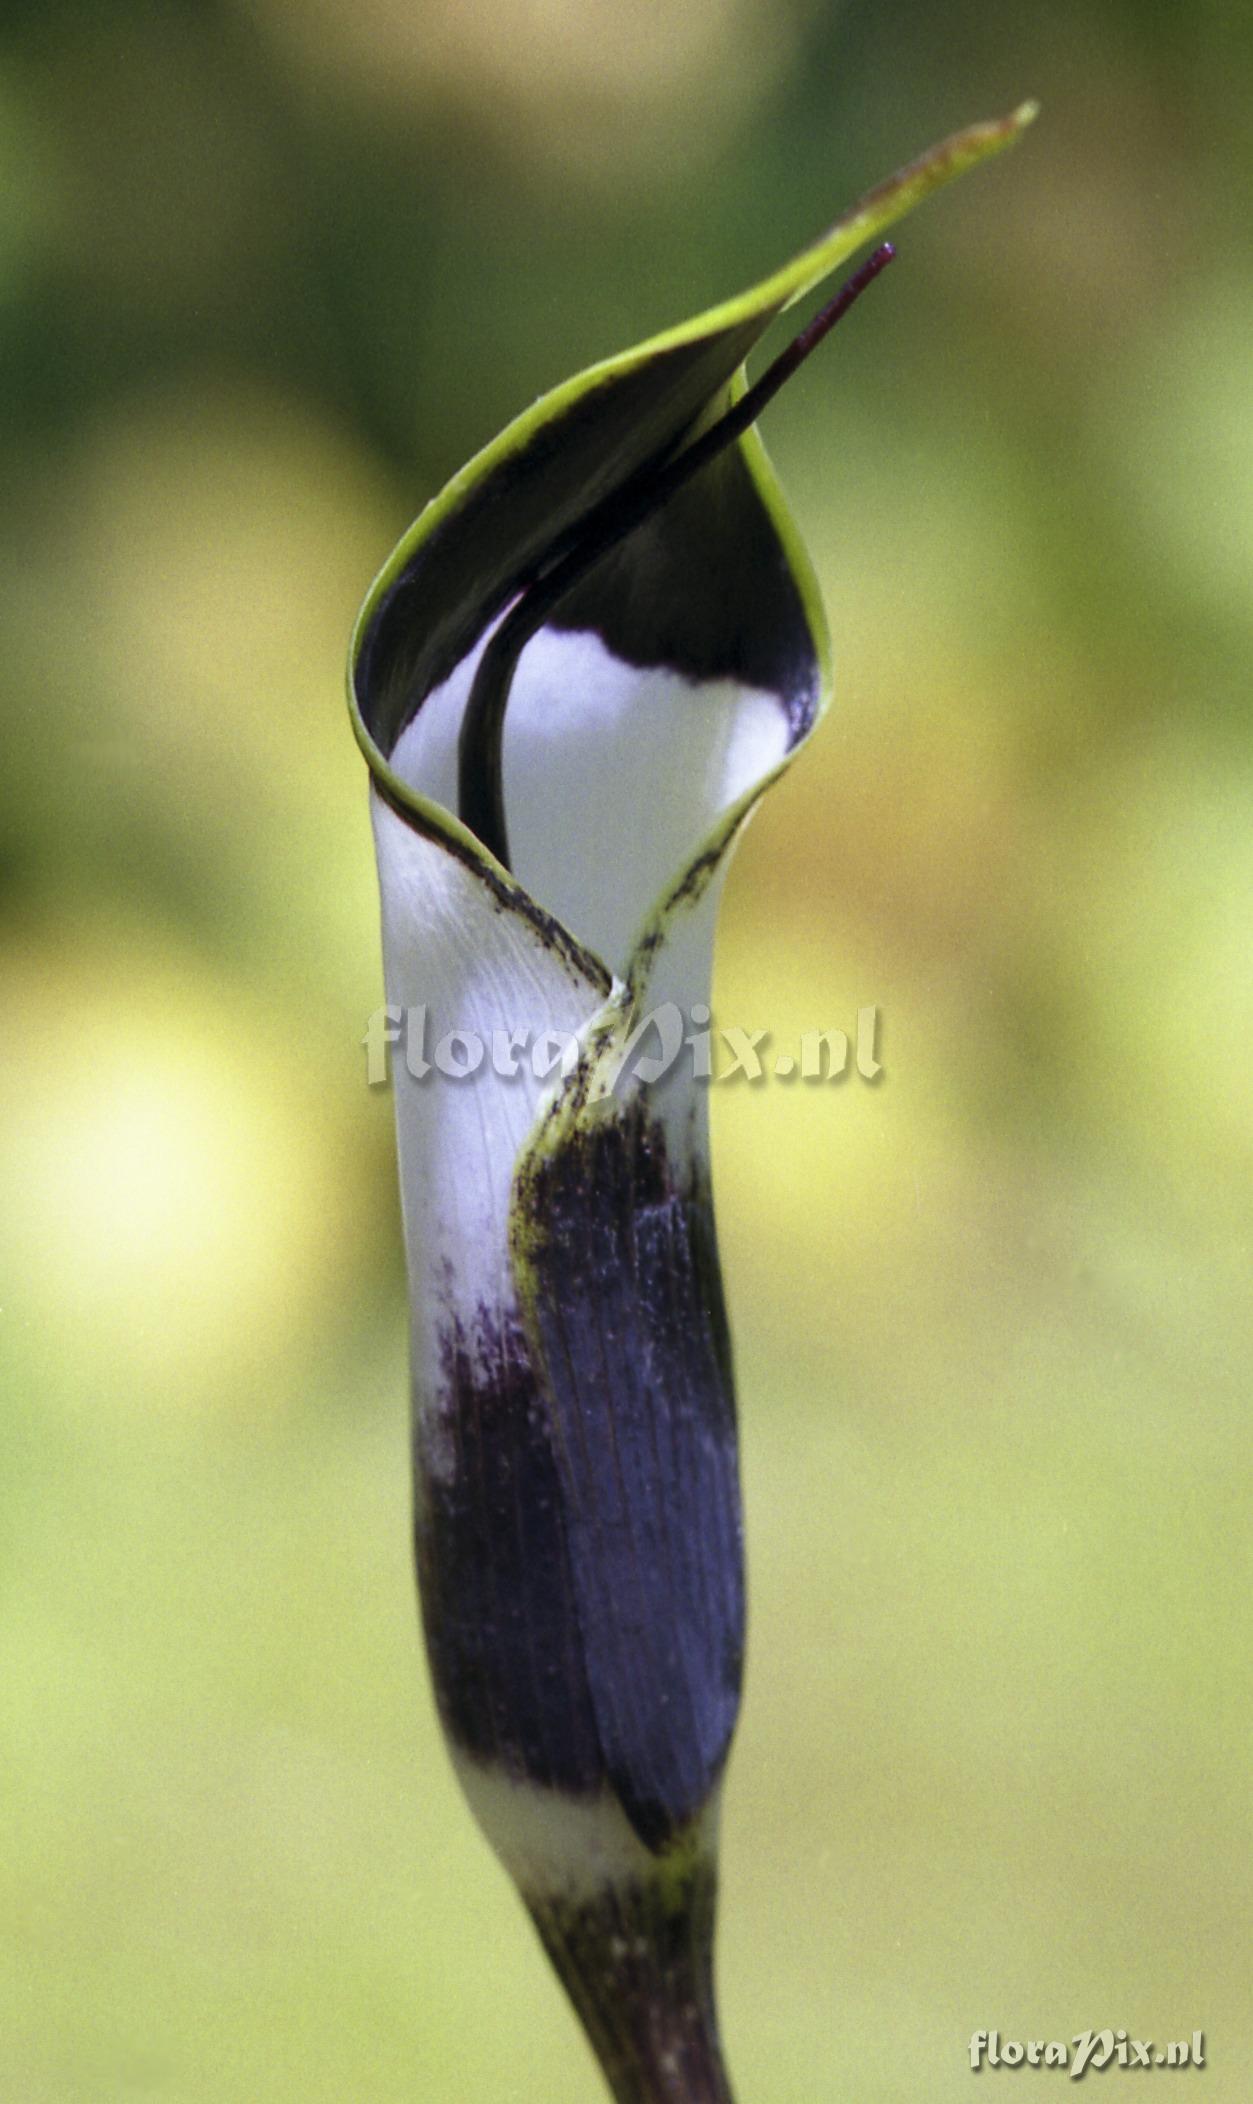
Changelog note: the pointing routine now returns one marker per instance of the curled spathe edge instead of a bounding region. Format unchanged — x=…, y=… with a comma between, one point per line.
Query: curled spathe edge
x=726, y=333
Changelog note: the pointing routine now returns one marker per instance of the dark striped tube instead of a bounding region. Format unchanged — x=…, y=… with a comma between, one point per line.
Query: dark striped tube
x=572, y=682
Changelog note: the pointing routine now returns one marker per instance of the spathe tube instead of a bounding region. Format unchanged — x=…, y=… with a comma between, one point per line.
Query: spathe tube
x=577, y=1508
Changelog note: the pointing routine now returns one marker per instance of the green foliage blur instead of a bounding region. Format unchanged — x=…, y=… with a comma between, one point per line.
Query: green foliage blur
x=270, y=271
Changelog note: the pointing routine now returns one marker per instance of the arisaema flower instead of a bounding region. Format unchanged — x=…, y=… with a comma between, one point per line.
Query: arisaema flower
x=573, y=681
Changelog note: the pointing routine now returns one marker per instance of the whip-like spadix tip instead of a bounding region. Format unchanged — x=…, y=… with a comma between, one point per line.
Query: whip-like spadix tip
x=480, y=765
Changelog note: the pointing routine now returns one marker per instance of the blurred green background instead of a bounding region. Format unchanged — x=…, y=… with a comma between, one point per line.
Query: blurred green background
x=269, y=272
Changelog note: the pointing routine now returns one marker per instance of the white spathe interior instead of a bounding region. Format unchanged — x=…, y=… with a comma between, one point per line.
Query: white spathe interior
x=613, y=774
x=455, y=962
